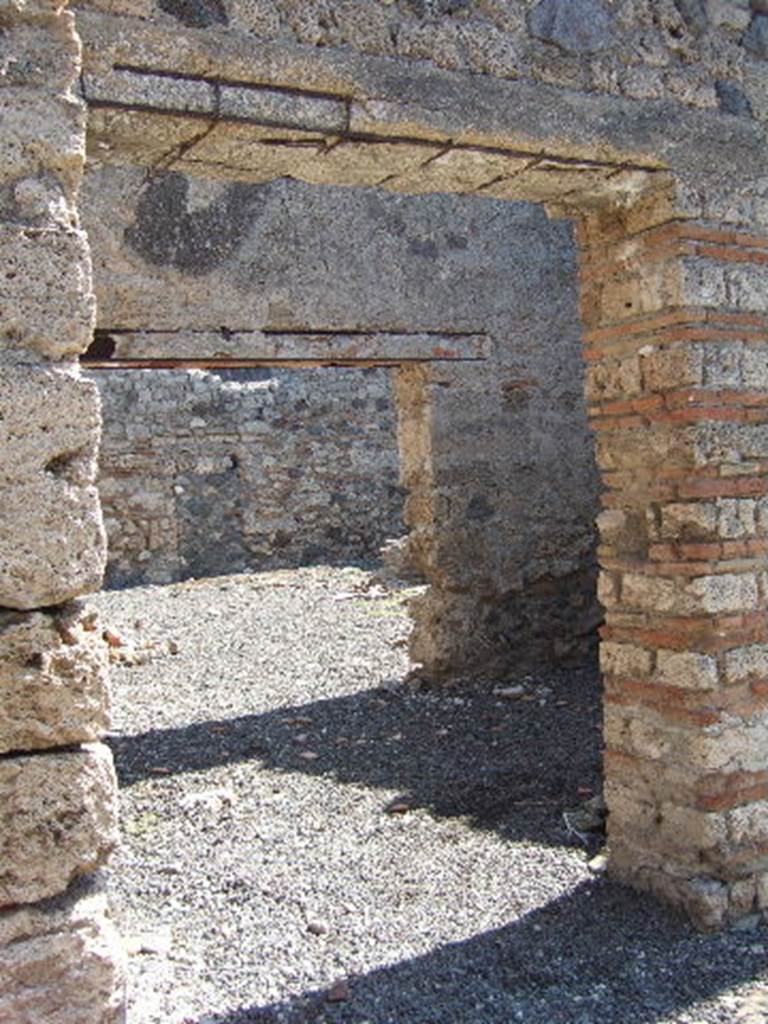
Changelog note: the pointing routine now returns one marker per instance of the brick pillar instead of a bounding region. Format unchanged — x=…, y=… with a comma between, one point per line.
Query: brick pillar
x=60, y=959
x=676, y=335
x=447, y=416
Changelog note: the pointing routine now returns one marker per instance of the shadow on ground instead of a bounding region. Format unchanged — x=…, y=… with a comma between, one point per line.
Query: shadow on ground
x=598, y=955
x=511, y=765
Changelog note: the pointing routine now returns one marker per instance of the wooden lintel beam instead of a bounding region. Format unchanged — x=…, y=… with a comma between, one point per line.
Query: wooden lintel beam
x=128, y=349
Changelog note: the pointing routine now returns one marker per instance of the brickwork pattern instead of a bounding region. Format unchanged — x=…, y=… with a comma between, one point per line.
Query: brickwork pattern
x=205, y=473
x=677, y=343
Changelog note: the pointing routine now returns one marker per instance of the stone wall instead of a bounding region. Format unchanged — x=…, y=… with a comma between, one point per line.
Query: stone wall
x=182, y=256
x=60, y=958
x=705, y=54
x=206, y=473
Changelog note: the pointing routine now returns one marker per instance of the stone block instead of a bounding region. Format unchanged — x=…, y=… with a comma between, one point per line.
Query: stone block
x=754, y=362
x=40, y=54
x=614, y=378
x=40, y=133
x=608, y=589
x=575, y=26
x=31, y=8
x=52, y=543
x=270, y=106
x=239, y=151
x=734, y=443
x=762, y=891
x=542, y=183
x=756, y=36
x=62, y=961
x=705, y=900
x=133, y=8
x=635, y=732
x=58, y=820
x=691, y=829
x=53, y=679
x=729, y=14
x=732, y=745
x=748, y=826
x=736, y=517
x=703, y=283
x=689, y=521
x=742, y=898
x=666, y=369
x=117, y=135
x=756, y=90
x=723, y=365
x=42, y=202
x=724, y=593
x=624, y=530
x=747, y=286
x=732, y=99
x=687, y=669
x=746, y=663
x=131, y=88
x=625, y=660
x=729, y=592
x=645, y=448
x=47, y=304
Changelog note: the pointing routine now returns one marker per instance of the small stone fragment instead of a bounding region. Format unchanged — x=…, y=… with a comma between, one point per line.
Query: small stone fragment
x=733, y=99
x=113, y=638
x=158, y=943
x=598, y=864
x=338, y=992
x=747, y=924
x=756, y=36
x=576, y=26
x=318, y=927
x=694, y=14
x=213, y=801
x=509, y=692
x=399, y=807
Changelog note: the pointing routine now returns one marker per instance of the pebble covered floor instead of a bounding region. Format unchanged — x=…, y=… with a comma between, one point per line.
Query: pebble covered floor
x=308, y=838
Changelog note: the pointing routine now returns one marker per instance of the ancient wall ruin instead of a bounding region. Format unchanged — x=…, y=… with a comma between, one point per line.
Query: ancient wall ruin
x=205, y=473
x=642, y=121
x=299, y=258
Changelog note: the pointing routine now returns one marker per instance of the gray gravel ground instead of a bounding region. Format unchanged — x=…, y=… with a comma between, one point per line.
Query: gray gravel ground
x=301, y=826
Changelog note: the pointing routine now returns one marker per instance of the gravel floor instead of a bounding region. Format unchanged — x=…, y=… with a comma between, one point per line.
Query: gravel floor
x=308, y=839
